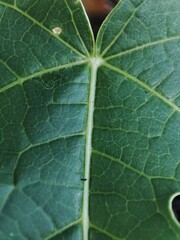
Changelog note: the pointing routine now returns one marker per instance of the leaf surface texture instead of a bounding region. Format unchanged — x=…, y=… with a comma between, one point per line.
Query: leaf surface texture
x=108, y=112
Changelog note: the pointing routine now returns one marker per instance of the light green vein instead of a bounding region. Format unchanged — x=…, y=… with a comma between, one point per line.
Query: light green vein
x=109, y=193
x=20, y=81
x=68, y=104
x=51, y=140
x=121, y=31
x=120, y=162
x=50, y=184
x=165, y=178
x=77, y=31
x=138, y=225
x=129, y=51
x=105, y=232
x=31, y=145
x=11, y=188
x=10, y=70
x=142, y=84
x=43, y=27
x=57, y=232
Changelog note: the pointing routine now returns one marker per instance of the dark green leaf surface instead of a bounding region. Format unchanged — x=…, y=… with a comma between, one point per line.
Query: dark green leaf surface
x=72, y=110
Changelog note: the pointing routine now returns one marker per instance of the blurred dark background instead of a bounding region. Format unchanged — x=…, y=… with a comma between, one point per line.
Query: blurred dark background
x=97, y=11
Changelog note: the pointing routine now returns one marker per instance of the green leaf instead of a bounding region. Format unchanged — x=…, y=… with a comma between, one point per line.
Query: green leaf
x=89, y=132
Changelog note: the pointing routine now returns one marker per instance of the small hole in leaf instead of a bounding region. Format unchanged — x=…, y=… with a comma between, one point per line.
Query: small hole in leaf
x=176, y=207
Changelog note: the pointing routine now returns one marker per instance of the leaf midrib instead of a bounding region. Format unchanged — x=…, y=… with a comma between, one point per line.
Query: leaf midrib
x=95, y=62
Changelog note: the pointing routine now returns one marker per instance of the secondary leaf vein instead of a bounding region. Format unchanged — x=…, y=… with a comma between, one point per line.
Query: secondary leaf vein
x=120, y=162
x=20, y=81
x=144, y=85
x=43, y=27
x=146, y=45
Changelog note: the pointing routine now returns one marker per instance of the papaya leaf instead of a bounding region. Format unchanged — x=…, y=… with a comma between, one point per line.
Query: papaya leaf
x=89, y=130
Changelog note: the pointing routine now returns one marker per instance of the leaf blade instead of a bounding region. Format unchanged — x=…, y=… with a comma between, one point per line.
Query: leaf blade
x=136, y=107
